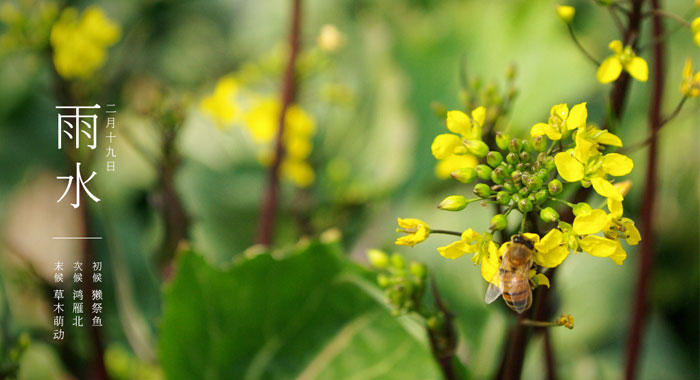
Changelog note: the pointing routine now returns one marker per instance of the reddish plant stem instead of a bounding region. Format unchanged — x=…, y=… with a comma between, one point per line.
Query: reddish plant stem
x=550, y=364
x=443, y=340
x=618, y=94
x=648, y=201
x=266, y=222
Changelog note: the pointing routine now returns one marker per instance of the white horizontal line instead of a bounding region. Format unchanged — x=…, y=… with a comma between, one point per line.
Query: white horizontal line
x=77, y=238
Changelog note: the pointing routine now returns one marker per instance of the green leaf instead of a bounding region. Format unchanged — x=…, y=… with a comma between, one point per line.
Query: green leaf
x=293, y=318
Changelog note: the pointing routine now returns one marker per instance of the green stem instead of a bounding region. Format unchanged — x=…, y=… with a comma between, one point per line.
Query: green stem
x=580, y=46
x=446, y=232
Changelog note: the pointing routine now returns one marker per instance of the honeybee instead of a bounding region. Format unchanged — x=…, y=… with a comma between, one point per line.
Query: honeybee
x=512, y=277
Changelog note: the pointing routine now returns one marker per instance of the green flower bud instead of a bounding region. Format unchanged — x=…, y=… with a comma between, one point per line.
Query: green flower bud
x=555, y=187
x=537, y=165
x=524, y=191
x=433, y=323
x=502, y=140
x=527, y=146
x=520, y=166
x=581, y=208
x=397, y=261
x=498, y=222
x=549, y=163
x=524, y=156
x=511, y=71
x=512, y=158
x=515, y=145
x=531, y=197
x=535, y=183
x=497, y=176
x=482, y=190
x=516, y=175
x=477, y=147
x=525, y=178
x=539, y=143
x=549, y=214
x=509, y=187
x=453, y=203
x=464, y=175
x=503, y=197
x=541, y=196
x=517, y=197
x=543, y=175
x=418, y=270
x=493, y=158
x=483, y=172
x=383, y=280
x=525, y=205
x=378, y=258
x=439, y=109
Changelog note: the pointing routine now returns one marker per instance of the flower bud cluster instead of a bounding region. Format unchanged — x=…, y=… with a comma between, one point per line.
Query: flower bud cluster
x=403, y=283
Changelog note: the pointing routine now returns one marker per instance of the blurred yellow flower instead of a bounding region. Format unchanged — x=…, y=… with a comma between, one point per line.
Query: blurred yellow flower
x=695, y=27
x=624, y=58
x=566, y=13
x=690, y=86
x=221, y=105
x=416, y=230
x=330, y=39
x=80, y=42
x=299, y=128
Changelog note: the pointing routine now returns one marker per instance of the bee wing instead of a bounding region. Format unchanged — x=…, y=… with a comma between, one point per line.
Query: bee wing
x=494, y=291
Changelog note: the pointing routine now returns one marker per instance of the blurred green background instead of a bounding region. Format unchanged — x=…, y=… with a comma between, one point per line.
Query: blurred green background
x=230, y=313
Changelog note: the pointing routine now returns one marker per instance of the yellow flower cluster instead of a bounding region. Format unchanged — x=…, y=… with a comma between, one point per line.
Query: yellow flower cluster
x=80, y=42
x=229, y=104
x=624, y=58
x=456, y=150
x=584, y=162
x=690, y=86
x=695, y=27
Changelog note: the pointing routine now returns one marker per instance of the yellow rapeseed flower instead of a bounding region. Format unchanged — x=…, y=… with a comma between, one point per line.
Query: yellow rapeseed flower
x=690, y=86
x=221, y=104
x=80, y=42
x=566, y=13
x=586, y=164
x=465, y=137
x=624, y=58
x=695, y=27
x=416, y=231
x=561, y=120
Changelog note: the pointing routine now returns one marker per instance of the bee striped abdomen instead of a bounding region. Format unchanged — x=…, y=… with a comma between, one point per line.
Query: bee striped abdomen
x=516, y=289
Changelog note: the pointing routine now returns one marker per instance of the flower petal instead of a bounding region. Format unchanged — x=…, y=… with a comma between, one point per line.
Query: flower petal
x=458, y=122
x=489, y=267
x=608, y=138
x=605, y=188
x=552, y=258
x=638, y=69
x=538, y=129
x=616, y=46
x=540, y=279
x=590, y=223
x=444, y=144
x=617, y=164
x=568, y=167
x=615, y=208
x=549, y=241
x=577, y=116
x=609, y=70
x=619, y=256
x=479, y=115
x=633, y=235
x=534, y=238
x=598, y=246
x=454, y=250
